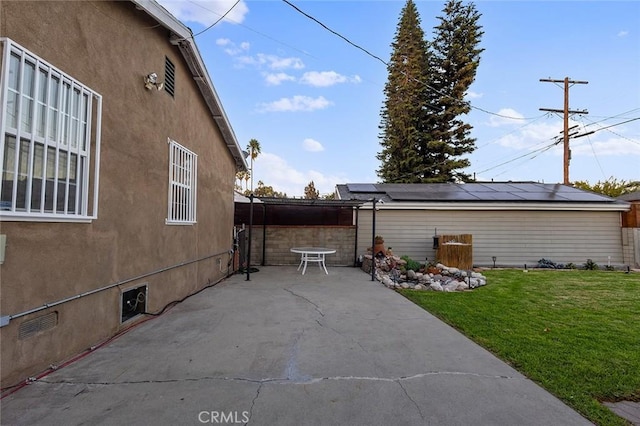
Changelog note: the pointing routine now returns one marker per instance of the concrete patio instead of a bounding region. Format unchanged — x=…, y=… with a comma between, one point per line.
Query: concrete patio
x=288, y=349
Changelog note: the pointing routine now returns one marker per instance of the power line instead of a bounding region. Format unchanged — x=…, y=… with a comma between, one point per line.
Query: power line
x=215, y=23
x=536, y=152
x=255, y=31
x=357, y=46
x=531, y=121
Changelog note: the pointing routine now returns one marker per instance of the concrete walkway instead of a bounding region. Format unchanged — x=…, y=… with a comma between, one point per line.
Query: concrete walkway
x=287, y=349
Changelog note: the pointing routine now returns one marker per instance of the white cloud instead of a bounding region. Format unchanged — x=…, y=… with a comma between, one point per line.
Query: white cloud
x=296, y=103
x=274, y=171
x=623, y=33
x=276, y=79
x=312, y=145
x=473, y=95
x=326, y=78
x=273, y=62
x=206, y=12
x=607, y=147
x=506, y=117
x=278, y=63
x=231, y=48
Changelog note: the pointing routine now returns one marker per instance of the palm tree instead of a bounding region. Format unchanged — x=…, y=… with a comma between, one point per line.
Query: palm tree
x=254, y=150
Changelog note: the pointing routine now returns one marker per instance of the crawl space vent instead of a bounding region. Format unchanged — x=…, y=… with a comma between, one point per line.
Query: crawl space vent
x=38, y=324
x=133, y=302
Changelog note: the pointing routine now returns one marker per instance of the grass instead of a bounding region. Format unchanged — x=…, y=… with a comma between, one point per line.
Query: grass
x=576, y=333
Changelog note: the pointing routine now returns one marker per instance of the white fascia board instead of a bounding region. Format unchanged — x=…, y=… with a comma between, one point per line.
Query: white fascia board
x=461, y=206
x=162, y=15
x=183, y=38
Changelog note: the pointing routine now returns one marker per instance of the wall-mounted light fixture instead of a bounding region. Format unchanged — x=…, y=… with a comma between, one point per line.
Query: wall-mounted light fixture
x=151, y=82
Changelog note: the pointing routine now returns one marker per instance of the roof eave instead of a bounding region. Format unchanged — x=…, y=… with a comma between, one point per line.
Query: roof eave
x=183, y=38
x=502, y=206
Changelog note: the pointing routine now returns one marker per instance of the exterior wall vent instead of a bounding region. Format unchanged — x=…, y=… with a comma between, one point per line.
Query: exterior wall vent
x=35, y=325
x=169, y=77
x=133, y=302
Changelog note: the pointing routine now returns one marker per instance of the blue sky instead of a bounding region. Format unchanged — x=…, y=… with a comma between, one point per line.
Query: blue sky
x=313, y=100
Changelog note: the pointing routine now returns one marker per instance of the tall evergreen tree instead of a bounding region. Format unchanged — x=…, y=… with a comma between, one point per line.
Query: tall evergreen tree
x=405, y=111
x=455, y=57
x=422, y=136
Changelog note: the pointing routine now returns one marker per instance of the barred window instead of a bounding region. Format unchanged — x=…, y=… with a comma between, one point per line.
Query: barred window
x=183, y=172
x=46, y=140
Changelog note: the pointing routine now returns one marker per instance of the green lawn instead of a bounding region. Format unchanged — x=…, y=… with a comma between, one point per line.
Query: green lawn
x=576, y=333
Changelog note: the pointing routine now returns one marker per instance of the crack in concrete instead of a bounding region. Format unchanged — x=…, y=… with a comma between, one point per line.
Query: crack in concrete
x=411, y=399
x=253, y=403
x=290, y=380
x=343, y=335
x=317, y=308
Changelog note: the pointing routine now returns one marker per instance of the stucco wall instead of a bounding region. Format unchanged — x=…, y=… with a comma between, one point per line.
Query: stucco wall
x=514, y=237
x=110, y=47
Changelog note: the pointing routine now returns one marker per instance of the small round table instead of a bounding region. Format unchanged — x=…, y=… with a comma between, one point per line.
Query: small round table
x=312, y=254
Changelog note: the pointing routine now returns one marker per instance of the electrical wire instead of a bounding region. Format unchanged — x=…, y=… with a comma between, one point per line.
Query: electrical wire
x=536, y=152
x=593, y=150
x=219, y=19
x=357, y=46
x=607, y=128
x=9, y=390
x=533, y=120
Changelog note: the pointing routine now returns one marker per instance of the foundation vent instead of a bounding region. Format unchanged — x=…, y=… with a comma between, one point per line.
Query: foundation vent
x=133, y=302
x=35, y=325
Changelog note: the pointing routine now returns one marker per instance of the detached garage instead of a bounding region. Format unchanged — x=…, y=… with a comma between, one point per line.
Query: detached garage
x=517, y=223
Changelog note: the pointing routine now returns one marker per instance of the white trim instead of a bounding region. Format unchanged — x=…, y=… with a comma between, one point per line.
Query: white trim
x=5, y=217
x=183, y=184
x=183, y=38
x=76, y=143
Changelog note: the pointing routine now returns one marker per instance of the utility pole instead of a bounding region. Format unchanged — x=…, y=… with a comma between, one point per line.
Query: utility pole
x=566, y=111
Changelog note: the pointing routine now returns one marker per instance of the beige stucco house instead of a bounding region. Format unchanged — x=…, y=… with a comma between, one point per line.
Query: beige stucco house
x=118, y=167
x=517, y=223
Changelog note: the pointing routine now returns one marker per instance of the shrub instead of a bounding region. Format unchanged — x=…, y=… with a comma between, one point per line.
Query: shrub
x=590, y=265
x=411, y=264
x=546, y=263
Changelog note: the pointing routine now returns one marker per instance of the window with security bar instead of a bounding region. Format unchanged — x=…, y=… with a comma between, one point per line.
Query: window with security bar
x=183, y=172
x=49, y=129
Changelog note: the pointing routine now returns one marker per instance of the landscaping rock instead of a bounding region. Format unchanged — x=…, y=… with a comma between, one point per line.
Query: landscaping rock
x=439, y=278
x=435, y=286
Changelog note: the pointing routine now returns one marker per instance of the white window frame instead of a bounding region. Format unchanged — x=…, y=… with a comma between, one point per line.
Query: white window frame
x=183, y=180
x=46, y=127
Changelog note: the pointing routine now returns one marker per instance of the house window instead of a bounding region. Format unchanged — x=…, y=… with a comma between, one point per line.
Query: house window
x=49, y=130
x=183, y=172
x=169, y=77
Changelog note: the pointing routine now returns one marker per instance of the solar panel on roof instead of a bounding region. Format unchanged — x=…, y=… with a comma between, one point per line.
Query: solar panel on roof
x=479, y=187
x=431, y=196
x=501, y=196
x=362, y=187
